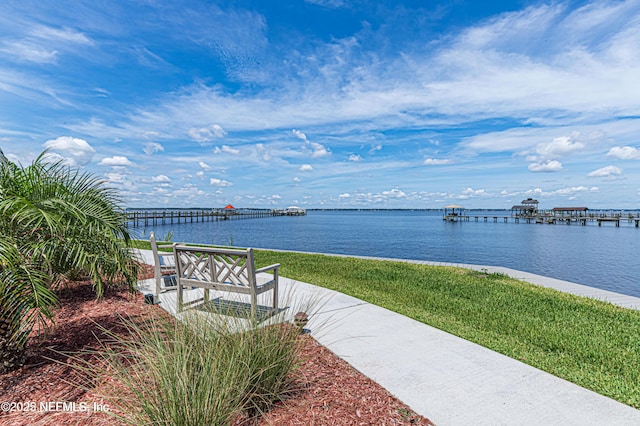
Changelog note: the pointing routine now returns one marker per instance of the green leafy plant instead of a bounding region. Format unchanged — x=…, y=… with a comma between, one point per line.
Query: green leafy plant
x=407, y=415
x=54, y=221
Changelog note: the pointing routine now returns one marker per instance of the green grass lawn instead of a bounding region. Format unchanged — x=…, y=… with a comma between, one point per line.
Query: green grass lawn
x=591, y=343
x=588, y=342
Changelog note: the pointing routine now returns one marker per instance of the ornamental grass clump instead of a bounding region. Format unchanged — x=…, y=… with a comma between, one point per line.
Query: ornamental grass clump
x=202, y=369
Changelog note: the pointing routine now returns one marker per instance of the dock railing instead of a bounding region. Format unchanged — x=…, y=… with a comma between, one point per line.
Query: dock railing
x=148, y=217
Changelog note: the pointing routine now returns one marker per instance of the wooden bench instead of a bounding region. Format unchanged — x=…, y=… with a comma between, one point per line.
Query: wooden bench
x=222, y=269
x=164, y=268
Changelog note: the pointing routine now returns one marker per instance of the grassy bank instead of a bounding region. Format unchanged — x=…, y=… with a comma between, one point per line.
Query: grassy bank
x=591, y=343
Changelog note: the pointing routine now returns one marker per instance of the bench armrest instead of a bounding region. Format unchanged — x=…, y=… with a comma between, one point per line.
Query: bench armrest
x=268, y=268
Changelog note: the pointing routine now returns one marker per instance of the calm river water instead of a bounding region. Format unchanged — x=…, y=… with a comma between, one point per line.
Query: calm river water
x=605, y=257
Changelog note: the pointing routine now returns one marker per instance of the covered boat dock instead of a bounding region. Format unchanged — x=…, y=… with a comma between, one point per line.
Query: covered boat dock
x=453, y=213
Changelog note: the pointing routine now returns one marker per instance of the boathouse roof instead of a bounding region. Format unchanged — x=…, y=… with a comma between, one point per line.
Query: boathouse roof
x=529, y=201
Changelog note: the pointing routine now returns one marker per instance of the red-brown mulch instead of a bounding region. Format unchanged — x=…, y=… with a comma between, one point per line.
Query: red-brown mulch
x=328, y=390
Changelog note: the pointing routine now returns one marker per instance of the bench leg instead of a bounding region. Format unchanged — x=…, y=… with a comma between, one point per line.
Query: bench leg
x=254, y=304
x=158, y=284
x=275, y=298
x=275, y=290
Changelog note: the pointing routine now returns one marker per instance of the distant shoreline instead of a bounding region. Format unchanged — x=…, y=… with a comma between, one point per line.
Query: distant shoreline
x=361, y=209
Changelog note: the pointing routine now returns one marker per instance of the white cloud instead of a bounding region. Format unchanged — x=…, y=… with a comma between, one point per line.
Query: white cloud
x=557, y=148
x=375, y=148
x=190, y=191
x=306, y=168
x=296, y=179
x=226, y=149
x=625, y=152
x=102, y=93
x=470, y=193
x=72, y=151
x=200, y=174
x=554, y=50
x=574, y=190
x=319, y=150
x=546, y=167
x=65, y=34
x=327, y=3
x=298, y=134
x=206, y=134
x=149, y=134
x=263, y=152
x=115, y=161
x=152, y=147
x=355, y=158
x=608, y=171
x=435, y=162
x=30, y=51
x=390, y=198
x=204, y=165
x=43, y=44
x=160, y=178
x=115, y=177
x=394, y=193
x=569, y=192
x=219, y=182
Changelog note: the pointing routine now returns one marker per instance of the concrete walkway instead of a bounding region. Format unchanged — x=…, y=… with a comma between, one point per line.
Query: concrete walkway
x=443, y=377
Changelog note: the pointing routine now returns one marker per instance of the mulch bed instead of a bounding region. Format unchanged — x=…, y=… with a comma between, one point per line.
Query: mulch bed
x=328, y=390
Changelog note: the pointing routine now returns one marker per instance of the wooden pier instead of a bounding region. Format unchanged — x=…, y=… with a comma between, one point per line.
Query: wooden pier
x=549, y=218
x=527, y=212
x=148, y=217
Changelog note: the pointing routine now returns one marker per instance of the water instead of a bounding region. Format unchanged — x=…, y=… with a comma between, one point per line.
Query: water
x=605, y=257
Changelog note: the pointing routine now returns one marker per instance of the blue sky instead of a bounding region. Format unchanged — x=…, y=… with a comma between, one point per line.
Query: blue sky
x=330, y=103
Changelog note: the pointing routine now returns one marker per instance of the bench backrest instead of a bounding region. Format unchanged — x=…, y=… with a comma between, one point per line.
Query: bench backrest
x=225, y=267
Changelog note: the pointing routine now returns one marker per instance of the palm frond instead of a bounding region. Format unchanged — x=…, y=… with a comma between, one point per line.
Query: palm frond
x=55, y=219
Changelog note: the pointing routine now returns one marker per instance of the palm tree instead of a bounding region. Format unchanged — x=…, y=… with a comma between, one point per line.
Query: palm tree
x=53, y=220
